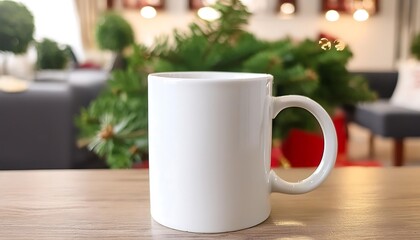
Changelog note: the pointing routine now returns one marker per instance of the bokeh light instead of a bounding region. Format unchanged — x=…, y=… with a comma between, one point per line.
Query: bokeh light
x=361, y=15
x=332, y=15
x=148, y=12
x=208, y=13
x=287, y=8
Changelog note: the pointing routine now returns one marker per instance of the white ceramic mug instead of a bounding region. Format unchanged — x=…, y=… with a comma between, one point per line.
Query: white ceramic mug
x=210, y=147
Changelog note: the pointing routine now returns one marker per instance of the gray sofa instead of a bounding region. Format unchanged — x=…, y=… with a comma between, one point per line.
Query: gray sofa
x=385, y=119
x=37, y=128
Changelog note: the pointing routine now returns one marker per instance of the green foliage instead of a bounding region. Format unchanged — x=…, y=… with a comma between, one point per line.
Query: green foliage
x=16, y=27
x=222, y=45
x=305, y=69
x=115, y=125
x=113, y=32
x=415, y=46
x=204, y=46
x=50, y=55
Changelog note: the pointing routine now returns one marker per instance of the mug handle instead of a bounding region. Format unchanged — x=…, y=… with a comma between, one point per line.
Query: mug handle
x=330, y=145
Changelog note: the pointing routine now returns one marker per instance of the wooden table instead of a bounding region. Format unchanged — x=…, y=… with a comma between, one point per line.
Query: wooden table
x=354, y=203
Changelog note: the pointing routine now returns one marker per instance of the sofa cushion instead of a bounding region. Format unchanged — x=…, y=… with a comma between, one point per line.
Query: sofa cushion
x=407, y=92
x=388, y=120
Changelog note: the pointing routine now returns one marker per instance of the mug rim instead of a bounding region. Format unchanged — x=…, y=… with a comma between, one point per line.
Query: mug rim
x=210, y=76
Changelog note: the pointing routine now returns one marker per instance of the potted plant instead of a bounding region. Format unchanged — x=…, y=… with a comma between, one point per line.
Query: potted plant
x=114, y=33
x=51, y=60
x=16, y=31
x=220, y=45
x=50, y=55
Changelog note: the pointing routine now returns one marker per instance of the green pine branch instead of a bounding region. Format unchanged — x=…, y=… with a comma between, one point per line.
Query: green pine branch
x=115, y=125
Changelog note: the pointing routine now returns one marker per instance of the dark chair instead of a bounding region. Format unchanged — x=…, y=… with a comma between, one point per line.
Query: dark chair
x=37, y=128
x=384, y=119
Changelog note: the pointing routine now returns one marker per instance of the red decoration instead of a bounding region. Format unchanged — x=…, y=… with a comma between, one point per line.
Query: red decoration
x=330, y=37
x=304, y=149
x=141, y=165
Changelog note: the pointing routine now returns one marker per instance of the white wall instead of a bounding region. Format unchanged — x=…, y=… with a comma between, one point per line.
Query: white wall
x=372, y=42
x=57, y=20
x=53, y=19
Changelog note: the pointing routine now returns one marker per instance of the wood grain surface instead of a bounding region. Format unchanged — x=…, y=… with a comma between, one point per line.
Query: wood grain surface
x=354, y=203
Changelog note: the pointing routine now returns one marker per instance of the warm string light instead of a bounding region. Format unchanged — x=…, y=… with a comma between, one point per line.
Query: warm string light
x=360, y=9
x=208, y=13
x=332, y=15
x=148, y=12
x=287, y=8
x=361, y=15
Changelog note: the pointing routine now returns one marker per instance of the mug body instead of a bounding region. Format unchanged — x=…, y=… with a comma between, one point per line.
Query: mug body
x=209, y=150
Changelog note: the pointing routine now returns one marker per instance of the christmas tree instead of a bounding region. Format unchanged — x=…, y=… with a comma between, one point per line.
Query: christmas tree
x=115, y=125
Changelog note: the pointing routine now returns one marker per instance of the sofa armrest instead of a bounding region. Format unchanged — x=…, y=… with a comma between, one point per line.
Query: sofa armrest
x=36, y=127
